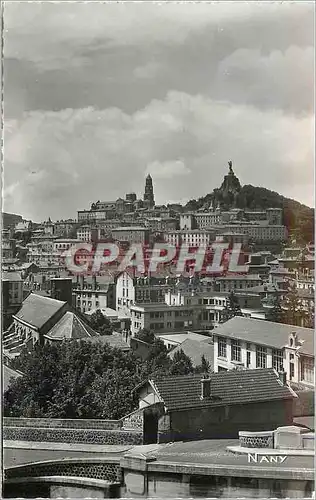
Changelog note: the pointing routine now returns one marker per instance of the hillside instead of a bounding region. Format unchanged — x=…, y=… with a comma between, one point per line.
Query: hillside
x=298, y=218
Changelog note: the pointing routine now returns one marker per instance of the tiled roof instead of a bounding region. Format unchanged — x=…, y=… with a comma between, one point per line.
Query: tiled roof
x=195, y=350
x=263, y=332
x=37, y=310
x=8, y=375
x=227, y=388
x=114, y=340
x=70, y=326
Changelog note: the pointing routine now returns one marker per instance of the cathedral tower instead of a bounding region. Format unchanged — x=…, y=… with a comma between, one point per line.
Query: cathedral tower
x=149, y=199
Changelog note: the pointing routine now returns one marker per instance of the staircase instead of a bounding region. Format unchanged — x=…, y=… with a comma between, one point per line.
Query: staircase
x=11, y=341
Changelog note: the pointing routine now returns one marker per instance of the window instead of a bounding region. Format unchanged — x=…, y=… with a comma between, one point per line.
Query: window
x=277, y=360
x=292, y=371
x=222, y=348
x=307, y=370
x=248, y=359
x=236, y=350
x=261, y=357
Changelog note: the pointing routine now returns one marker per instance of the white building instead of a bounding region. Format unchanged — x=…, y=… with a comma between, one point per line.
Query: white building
x=250, y=343
x=93, y=292
x=140, y=290
x=237, y=282
x=190, y=237
x=87, y=234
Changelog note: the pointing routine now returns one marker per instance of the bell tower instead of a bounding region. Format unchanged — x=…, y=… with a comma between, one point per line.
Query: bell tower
x=149, y=199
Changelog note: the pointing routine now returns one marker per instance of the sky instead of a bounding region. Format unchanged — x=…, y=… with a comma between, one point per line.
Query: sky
x=98, y=95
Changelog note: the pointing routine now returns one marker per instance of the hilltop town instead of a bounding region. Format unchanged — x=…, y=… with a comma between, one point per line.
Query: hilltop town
x=143, y=351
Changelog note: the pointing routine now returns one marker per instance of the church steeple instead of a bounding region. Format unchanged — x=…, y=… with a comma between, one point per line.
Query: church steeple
x=149, y=192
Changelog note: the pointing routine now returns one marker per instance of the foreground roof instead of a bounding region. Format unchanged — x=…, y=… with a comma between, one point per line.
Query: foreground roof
x=36, y=310
x=70, y=326
x=227, y=388
x=264, y=332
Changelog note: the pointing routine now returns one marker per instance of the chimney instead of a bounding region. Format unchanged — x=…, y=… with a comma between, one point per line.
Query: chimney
x=205, y=388
x=282, y=376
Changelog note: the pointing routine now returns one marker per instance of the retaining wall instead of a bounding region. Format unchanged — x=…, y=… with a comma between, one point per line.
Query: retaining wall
x=88, y=436
x=109, y=471
x=62, y=423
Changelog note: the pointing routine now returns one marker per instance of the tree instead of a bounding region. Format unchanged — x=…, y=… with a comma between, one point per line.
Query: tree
x=276, y=313
x=181, y=364
x=75, y=380
x=204, y=367
x=294, y=312
x=145, y=335
x=101, y=323
x=232, y=308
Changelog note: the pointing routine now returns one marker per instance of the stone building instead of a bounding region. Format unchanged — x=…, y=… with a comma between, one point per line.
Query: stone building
x=149, y=200
x=216, y=407
x=41, y=319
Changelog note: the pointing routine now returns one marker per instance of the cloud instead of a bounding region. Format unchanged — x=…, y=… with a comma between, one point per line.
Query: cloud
x=149, y=70
x=58, y=162
x=271, y=80
x=167, y=169
x=63, y=29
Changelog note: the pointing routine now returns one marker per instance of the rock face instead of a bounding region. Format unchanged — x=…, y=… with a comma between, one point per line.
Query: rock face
x=226, y=196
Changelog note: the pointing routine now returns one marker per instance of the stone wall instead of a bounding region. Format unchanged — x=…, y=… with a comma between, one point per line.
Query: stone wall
x=57, y=423
x=81, y=468
x=134, y=420
x=256, y=439
x=88, y=436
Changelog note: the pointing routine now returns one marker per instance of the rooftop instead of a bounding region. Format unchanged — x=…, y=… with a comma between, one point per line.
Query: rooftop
x=265, y=333
x=115, y=340
x=182, y=337
x=70, y=326
x=11, y=276
x=227, y=388
x=247, y=277
x=37, y=310
x=195, y=349
x=130, y=228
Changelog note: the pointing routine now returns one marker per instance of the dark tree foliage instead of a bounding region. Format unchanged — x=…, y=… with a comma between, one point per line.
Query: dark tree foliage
x=100, y=323
x=182, y=364
x=145, y=335
x=276, y=313
x=232, y=308
x=73, y=380
x=204, y=367
x=295, y=313
x=84, y=380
